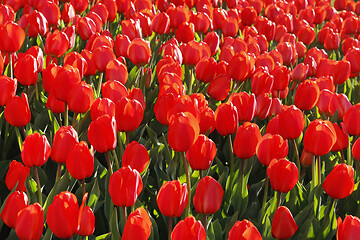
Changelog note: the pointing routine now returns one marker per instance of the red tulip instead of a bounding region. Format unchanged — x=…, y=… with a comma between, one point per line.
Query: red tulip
x=299, y=73
x=189, y=229
x=283, y=225
x=283, y=175
x=25, y=70
x=207, y=120
x=245, y=105
x=66, y=78
x=340, y=182
x=201, y=154
x=57, y=44
x=208, y=196
x=51, y=12
x=356, y=150
x=125, y=185
x=115, y=70
x=270, y=147
x=160, y=23
x=86, y=27
x=138, y=225
x=128, y=113
x=247, y=135
x=183, y=131
x=87, y=222
x=351, y=117
x=80, y=162
x=342, y=138
x=102, y=106
x=139, y=52
x=349, y=229
x=307, y=95
x=30, y=222
x=244, y=230
x=35, y=150
x=292, y=122
x=16, y=174
x=205, y=69
x=7, y=89
x=261, y=82
x=80, y=97
x=263, y=104
x=64, y=141
x=219, y=87
x=319, y=137
x=226, y=119
x=114, y=90
x=135, y=156
x=63, y=209
x=17, y=111
x=212, y=39
x=172, y=198
x=68, y=13
x=15, y=202
x=13, y=37
x=240, y=66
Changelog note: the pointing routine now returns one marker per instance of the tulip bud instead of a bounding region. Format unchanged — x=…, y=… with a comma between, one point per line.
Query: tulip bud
x=172, y=198
x=188, y=228
x=17, y=111
x=138, y=225
x=340, y=181
x=283, y=225
x=36, y=150
x=15, y=202
x=348, y=229
x=30, y=222
x=226, y=119
x=283, y=175
x=87, y=222
x=80, y=162
x=135, y=156
x=244, y=230
x=246, y=140
x=270, y=147
x=16, y=174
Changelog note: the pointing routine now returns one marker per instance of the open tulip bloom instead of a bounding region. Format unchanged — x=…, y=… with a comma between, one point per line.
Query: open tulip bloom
x=177, y=119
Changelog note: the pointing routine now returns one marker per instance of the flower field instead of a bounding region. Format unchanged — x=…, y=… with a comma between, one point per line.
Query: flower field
x=179, y=119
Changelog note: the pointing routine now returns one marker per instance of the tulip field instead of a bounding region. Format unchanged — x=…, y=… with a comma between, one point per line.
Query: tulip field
x=179, y=119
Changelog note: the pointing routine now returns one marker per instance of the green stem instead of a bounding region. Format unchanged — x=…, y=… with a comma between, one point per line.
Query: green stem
x=313, y=173
x=319, y=169
x=38, y=185
x=231, y=178
x=326, y=221
x=266, y=188
x=123, y=212
x=116, y=159
x=11, y=66
x=36, y=92
x=297, y=155
x=83, y=186
x=187, y=210
x=99, y=84
x=204, y=222
x=108, y=162
x=278, y=193
x=342, y=156
x=18, y=135
x=170, y=228
x=58, y=172
x=66, y=115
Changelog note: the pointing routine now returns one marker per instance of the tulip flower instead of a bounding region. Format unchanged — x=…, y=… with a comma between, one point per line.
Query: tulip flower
x=66, y=78
x=205, y=69
x=63, y=209
x=87, y=222
x=30, y=222
x=201, y=154
x=246, y=140
x=342, y=138
x=13, y=37
x=17, y=174
x=263, y=104
x=219, y=87
x=139, y=52
x=356, y=149
x=226, y=119
x=129, y=114
x=80, y=162
x=319, y=137
x=102, y=133
x=351, y=116
x=135, y=156
x=283, y=225
x=240, y=66
x=208, y=196
x=307, y=95
x=15, y=202
x=245, y=105
x=340, y=181
x=207, y=120
x=138, y=225
x=80, y=97
x=64, y=141
x=17, y=111
x=172, y=198
x=283, y=175
x=189, y=229
x=7, y=89
x=349, y=229
x=57, y=44
x=114, y=90
x=244, y=230
x=102, y=56
x=160, y=23
x=125, y=185
x=25, y=70
x=270, y=147
x=116, y=70
x=36, y=150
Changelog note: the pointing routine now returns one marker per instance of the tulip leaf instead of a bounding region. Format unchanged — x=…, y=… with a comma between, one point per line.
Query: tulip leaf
x=154, y=230
x=114, y=225
x=103, y=237
x=94, y=195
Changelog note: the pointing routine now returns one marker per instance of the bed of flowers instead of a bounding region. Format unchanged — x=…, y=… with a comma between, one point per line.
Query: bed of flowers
x=179, y=119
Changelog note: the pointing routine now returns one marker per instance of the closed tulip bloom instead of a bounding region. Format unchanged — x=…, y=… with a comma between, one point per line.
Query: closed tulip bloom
x=62, y=215
x=201, y=154
x=87, y=222
x=226, y=119
x=102, y=133
x=16, y=174
x=25, y=70
x=246, y=140
x=114, y=90
x=125, y=185
x=80, y=97
x=102, y=106
x=307, y=95
x=219, y=87
x=66, y=78
x=129, y=114
x=13, y=37
x=116, y=70
x=319, y=137
x=80, y=162
x=57, y=44
x=350, y=118
x=138, y=225
x=139, y=52
x=15, y=202
x=349, y=229
x=245, y=105
x=292, y=122
x=205, y=69
x=17, y=111
x=342, y=138
x=340, y=182
x=160, y=23
x=356, y=149
x=64, y=141
x=8, y=88
x=261, y=82
x=189, y=229
x=244, y=230
x=30, y=222
x=172, y=198
x=263, y=105
x=240, y=66
x=36, y=150
x=135, y=156
x=283, y=175
x=283, y=225
x=183, y=131
x=270, y=147
x=208, y=196
x=102, y=56
x=207, y=120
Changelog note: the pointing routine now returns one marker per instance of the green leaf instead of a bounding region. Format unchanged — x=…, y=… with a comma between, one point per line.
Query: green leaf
x=114, y=225
x=103, y=237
